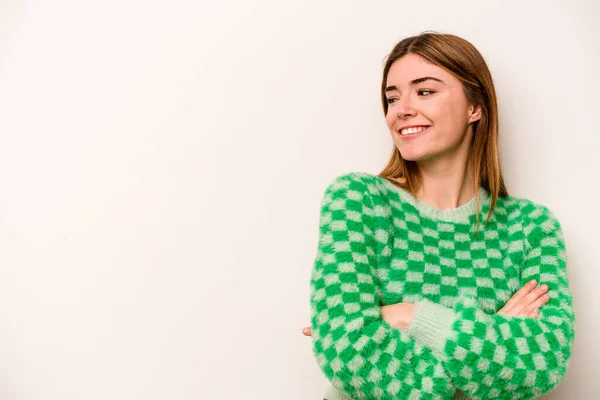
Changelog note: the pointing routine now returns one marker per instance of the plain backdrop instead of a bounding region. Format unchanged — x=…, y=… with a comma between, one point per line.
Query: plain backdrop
x=162, y=164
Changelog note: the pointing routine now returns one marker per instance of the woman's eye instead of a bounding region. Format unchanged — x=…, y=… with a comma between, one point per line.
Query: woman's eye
x=424, y=92
x=390, y=101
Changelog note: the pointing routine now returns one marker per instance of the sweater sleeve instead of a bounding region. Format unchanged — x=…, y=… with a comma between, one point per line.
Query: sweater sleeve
x=496, y=356
x=357, y=351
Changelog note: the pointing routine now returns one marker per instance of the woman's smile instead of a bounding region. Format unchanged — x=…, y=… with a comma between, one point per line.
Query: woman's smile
x=413, y=132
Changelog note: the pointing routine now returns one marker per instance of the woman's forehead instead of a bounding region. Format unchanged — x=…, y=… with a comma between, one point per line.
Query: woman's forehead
x=412, y=67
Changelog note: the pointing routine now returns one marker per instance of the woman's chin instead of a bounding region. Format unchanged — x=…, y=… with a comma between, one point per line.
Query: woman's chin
x=412, y=156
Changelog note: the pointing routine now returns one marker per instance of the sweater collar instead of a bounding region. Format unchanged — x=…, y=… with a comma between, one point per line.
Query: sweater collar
x=461, y=213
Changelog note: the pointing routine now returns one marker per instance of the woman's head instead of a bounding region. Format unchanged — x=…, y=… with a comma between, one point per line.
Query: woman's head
x=440, y=85
x=428, y=113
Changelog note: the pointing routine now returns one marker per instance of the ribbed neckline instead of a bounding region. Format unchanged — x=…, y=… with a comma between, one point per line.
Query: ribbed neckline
x=460, y=213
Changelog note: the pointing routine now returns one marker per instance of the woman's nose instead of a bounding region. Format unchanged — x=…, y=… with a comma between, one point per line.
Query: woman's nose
x=404, y=109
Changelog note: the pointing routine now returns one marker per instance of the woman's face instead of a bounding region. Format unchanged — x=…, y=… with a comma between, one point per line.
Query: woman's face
x=429, y=105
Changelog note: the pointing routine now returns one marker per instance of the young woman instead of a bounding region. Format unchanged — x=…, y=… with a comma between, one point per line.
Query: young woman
x=430, y=281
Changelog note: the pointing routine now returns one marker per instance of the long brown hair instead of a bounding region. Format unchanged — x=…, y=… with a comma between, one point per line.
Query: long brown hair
x=460, y=58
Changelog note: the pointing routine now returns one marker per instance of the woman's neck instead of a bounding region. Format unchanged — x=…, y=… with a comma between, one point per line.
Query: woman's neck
x=446, y=186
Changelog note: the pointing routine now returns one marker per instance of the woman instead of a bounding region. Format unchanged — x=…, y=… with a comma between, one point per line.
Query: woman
x=429, y=279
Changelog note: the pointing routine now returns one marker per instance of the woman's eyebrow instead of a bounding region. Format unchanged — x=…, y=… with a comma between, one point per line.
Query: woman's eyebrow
x=415, y=82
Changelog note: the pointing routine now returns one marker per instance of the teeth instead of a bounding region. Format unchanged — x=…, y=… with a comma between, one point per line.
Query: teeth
x=410, y=131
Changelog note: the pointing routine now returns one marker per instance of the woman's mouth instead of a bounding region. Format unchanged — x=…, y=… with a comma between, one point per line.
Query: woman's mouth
x=413, y=131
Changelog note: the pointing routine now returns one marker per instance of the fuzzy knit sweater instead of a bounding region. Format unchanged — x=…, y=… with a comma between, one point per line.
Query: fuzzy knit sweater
x=379, y=245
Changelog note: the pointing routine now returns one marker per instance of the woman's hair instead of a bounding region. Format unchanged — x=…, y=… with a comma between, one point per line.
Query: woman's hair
x=462, y=60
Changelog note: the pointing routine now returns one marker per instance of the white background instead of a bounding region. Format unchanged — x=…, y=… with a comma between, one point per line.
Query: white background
x=162, y=164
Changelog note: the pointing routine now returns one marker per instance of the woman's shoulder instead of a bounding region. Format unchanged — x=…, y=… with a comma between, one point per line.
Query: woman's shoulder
x=360, y=186
x=355, y=176
x=533, y=214
x=357, y=180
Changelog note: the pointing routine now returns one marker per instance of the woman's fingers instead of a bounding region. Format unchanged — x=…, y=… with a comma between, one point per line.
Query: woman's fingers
x=540, y=301
x=528, y=299
x=517, y=297
x=307, y=331
x=534, y=313
x=525, y=305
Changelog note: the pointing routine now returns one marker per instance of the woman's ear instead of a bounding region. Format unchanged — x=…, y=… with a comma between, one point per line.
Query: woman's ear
x=474, y=113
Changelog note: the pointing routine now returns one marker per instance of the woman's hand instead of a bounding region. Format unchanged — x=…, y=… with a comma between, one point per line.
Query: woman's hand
x=525, y=303
x=399, y=315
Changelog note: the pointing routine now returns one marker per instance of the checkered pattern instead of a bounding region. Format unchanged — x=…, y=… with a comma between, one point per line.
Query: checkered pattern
x=357, y=351
x=493, y=356
x=378, y=247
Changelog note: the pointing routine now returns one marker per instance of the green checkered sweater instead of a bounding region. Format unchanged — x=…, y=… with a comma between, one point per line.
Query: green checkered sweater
x=379, y=245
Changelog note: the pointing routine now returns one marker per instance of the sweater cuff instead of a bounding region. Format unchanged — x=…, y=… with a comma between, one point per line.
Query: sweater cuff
x=432, y=325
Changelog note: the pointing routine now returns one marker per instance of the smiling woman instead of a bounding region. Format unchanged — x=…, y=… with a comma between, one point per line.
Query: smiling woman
x=411, y=296
x=433, y=106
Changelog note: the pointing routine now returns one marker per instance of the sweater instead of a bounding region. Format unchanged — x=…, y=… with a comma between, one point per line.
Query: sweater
x=379, y=245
